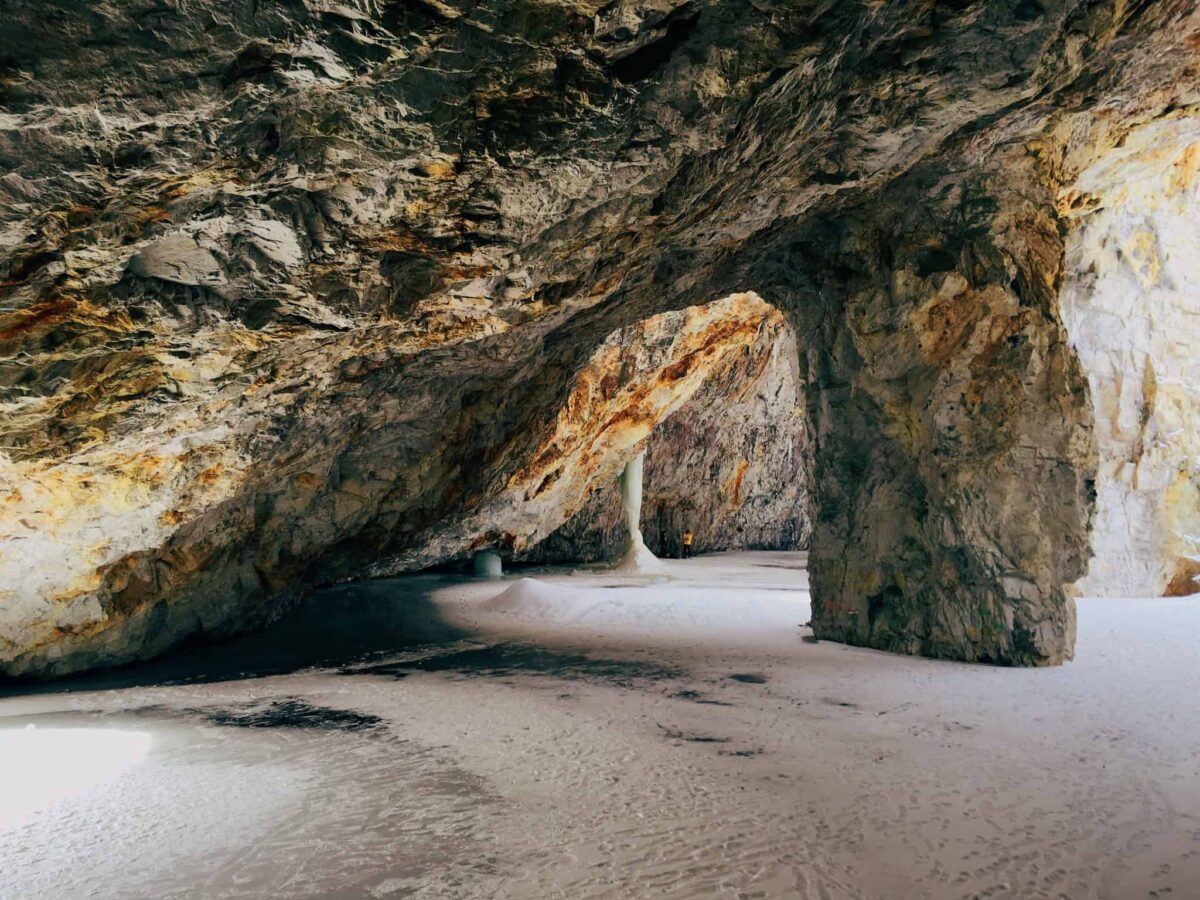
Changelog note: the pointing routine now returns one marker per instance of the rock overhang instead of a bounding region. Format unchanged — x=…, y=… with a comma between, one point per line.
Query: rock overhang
x=331, y=222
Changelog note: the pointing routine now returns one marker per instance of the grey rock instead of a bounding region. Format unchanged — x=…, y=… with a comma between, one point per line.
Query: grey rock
x=301, y=292
x=177, y=258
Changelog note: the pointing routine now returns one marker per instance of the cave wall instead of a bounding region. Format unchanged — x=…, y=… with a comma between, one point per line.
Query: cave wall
x=405, y=462
x=294, y=293
x=1132, y=308
x=730, y=464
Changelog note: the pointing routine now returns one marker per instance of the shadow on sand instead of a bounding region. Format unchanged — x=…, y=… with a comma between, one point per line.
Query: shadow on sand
x=339, y=626
x=503, y=660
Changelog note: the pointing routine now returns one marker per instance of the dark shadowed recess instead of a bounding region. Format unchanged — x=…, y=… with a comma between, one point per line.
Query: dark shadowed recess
x=335, y=627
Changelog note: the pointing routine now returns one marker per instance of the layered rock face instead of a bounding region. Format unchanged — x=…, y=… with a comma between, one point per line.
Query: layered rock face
x=1132, y=308
x=730, y=465
x=466, y=465
x=638, y=377
x=305, y=291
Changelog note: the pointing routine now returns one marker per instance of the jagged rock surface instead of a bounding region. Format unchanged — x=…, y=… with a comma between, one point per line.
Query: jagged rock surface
x=1132, y=308
x=294, y=290
x=637, y=378
x=730, y=464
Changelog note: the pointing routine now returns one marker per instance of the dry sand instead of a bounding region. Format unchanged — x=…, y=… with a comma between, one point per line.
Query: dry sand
x=597, y=735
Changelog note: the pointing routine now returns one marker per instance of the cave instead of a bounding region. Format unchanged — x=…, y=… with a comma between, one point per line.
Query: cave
x=347, y=347
x=730, y=464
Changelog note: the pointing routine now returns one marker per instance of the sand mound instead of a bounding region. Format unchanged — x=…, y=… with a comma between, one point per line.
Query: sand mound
x=530, y=597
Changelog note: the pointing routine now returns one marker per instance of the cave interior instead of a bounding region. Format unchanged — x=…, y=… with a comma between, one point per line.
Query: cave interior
x=307, y=294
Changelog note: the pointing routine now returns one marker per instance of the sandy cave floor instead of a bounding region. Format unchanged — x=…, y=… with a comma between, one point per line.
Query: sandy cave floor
x=591, y=735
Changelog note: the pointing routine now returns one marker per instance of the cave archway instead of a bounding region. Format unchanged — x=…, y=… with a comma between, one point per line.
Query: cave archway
x=713, y=389
x=730, y=464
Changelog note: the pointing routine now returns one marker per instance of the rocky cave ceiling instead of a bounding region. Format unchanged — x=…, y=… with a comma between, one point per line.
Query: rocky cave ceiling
x=307, y=290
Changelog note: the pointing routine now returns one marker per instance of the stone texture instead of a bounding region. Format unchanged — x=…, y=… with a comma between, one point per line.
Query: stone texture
x=933, y=535
x=304, y=291
x=730, y=464
x=1132, y=307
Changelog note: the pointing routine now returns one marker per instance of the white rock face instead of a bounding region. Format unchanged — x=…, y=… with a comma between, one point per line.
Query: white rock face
x=1132, y=307
x=177, y=258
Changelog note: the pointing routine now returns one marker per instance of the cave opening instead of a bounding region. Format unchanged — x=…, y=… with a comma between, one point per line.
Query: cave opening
x=728, y=463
